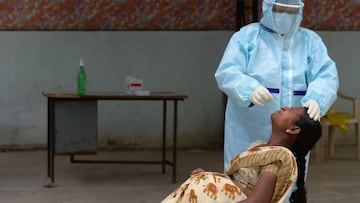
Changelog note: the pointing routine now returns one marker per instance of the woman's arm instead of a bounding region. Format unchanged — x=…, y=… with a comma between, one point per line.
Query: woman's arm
x=263, y=190
x=196, y=171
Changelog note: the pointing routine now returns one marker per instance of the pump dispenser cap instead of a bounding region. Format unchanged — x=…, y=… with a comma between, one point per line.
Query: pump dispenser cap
x=81, y=62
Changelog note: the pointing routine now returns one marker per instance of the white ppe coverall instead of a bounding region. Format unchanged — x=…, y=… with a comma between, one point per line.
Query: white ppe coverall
x=294, y=67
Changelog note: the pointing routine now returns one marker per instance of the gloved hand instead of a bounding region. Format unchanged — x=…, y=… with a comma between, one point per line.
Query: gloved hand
x=260, y=96
x=313, y=109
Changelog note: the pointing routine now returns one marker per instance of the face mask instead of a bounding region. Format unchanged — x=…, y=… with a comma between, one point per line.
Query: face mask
x=283, y=22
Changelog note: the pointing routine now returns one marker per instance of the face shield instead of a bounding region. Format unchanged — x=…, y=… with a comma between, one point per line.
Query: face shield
x=284, y=14
x=287, y=6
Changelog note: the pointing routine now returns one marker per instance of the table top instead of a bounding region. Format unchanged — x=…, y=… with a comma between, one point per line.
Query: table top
x=115, y=96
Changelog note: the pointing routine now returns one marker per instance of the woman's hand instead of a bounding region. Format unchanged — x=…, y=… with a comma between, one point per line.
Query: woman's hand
x=196, y=171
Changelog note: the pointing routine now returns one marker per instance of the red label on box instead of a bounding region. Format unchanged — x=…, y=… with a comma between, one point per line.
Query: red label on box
x=135, y=84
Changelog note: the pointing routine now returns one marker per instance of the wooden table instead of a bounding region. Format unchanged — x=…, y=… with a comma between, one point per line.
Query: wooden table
x=56, y=120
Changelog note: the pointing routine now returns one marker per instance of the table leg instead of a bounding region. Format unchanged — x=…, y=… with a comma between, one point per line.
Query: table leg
x=51, y=137
x=174, y=142
x=50, y=141
x=164, y=138
x=48, y=137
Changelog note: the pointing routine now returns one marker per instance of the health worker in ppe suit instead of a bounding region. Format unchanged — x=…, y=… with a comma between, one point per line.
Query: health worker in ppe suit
x=269, y=65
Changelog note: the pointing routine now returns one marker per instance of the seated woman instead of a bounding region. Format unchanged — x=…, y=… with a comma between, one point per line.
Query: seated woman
x=263, y=173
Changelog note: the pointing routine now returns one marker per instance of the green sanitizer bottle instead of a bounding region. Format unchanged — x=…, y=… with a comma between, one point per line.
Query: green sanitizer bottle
x=81, y=79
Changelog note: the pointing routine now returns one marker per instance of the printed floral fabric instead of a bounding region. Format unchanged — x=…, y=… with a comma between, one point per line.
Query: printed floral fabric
x=118, y=14
x=218, y=187
x=160, y=14
x=337, y=15
x=209, y=187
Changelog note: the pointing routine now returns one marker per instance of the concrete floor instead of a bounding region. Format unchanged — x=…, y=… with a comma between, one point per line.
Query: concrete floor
x=23, y=177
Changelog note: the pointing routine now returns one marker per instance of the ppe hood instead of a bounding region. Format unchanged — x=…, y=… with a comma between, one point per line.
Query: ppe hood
x=269, y=7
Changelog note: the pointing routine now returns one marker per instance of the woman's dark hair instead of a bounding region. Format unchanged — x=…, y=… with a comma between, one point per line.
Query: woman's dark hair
x=310, y=133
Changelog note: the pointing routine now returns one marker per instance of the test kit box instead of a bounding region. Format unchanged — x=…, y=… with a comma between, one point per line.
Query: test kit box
x=133, y=85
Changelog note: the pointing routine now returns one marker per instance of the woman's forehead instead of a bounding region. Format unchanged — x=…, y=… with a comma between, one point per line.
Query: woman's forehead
x=298, y=110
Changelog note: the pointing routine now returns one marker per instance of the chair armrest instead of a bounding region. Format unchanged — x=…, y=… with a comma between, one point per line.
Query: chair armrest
x=343, y=96
x=355, y=103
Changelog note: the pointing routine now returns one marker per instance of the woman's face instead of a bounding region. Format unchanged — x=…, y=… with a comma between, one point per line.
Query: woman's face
x=286, y=117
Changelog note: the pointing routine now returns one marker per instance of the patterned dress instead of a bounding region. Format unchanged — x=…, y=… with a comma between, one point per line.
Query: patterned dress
x=214, y=187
